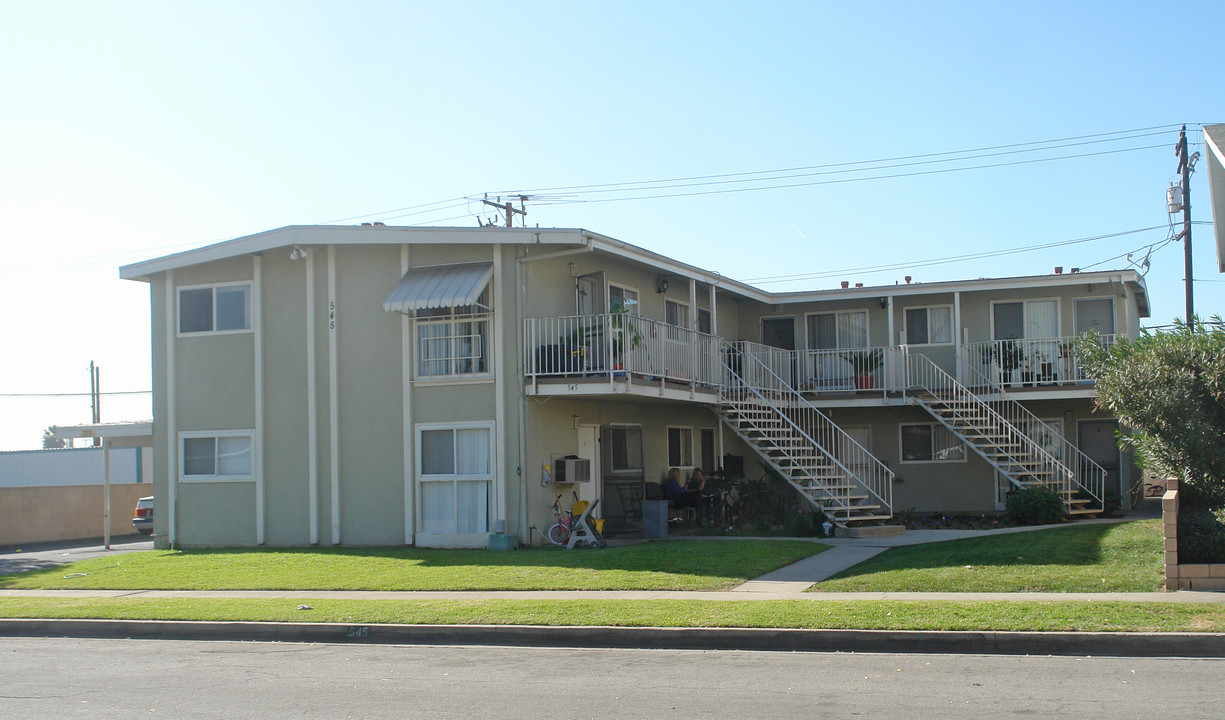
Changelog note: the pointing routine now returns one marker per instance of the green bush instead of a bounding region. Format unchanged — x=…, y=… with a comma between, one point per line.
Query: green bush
x=1200, y=496
x=1201, y=536
x=1035, y=506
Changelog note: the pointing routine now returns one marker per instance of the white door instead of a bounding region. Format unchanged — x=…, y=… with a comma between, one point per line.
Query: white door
x=589, y=449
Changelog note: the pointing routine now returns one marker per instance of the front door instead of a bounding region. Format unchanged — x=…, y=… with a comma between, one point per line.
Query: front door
x=780, y=333
x=589, y=449
x=588, y=333
x=1096, y=439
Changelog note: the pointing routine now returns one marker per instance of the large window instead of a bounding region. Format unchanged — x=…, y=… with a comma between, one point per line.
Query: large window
x=929, y=325
x=209, y=456
x=680, y=447
x=454, y=340
x=1029, y=320
x=455, y=467
x=837, y=331
x=930, y=442
x=215, y=308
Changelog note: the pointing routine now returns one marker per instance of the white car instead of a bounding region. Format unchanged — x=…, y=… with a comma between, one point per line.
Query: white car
x=142, y=516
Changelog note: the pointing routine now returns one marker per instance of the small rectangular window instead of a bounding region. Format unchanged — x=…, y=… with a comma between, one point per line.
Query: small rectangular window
x=221, y=308
x=622, y=299
x=626, y=449
x=930, y=442
x=216, y=457
x=929, y=326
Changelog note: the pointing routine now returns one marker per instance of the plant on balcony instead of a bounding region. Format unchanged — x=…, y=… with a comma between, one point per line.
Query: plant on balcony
x=1009, y=355
x=863, y=364
x=623, y=330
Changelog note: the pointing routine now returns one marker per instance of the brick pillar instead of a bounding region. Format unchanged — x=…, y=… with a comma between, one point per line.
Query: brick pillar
x=1169, y=526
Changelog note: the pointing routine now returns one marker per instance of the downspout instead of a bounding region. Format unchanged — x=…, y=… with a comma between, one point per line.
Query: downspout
x=312, y=404
x=172, y=431
x=333, y=397
x=257, y=322
x=523, y=532
x=406, y=399
x=499, y=389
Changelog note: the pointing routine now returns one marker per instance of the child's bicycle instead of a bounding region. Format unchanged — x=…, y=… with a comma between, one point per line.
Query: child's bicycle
x=575, y=521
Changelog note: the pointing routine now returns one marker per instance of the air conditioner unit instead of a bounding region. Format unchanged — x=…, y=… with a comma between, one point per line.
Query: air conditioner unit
x=573, y=470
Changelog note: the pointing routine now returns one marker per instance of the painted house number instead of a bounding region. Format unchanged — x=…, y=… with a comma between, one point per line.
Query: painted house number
x=331, y=315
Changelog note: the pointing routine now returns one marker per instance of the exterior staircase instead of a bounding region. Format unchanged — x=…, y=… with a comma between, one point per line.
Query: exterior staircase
x=1009, y=437
x=829, y=469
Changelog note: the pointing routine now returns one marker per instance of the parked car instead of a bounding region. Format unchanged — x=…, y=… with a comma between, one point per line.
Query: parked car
x=142, y=516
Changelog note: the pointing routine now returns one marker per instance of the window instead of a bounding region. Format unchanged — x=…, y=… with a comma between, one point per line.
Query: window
x=930, y=442
x=1029, y=320
x=454, y=340
x=455, y=467
x=626, y=445
x=708, y=450
x=216, y=456
x=929, y=325
x=622, y=299
x=677, y=315
x=680, y=447
x=216, y=308
x=836, y=331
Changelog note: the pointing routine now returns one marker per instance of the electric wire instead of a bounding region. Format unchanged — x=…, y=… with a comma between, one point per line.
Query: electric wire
x=77, y=394
x=871, y=269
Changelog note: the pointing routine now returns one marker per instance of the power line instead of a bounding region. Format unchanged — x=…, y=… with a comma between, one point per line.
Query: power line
x=72, y=394
x=852, y=180
x=870, y=269
x=819, y=170
x=860, y=162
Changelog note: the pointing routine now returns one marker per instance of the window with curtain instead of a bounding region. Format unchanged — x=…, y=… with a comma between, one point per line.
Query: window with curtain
x=680, y=447
x=454, y=340
x=929, y=325
x=1029, y=320
x=456, y=469
x=626, y=444
x=838, y=331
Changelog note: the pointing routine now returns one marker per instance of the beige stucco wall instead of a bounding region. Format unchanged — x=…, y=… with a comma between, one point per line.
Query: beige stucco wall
x=65, y=512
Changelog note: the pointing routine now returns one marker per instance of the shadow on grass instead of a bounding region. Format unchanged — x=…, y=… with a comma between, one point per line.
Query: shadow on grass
x=1106, y=549
x=687, y=562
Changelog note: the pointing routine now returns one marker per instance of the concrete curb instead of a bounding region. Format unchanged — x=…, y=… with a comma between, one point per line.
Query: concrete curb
x=1198, y=645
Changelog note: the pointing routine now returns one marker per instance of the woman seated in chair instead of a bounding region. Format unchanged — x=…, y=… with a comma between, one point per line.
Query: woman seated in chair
x=684, y=497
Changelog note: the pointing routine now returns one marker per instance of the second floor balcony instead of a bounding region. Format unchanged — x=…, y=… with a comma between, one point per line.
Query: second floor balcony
x=621, y=351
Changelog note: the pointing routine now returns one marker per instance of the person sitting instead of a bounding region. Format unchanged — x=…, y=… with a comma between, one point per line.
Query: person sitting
x=697, y=481
x=681, y=497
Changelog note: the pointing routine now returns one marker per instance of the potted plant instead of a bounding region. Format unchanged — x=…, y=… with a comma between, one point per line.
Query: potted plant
x=623, y=329
x=1009, y=356
x=863, y=364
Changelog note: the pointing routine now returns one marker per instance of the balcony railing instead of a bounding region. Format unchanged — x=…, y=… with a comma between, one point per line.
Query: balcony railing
x=1024, y=363
x=619, y=346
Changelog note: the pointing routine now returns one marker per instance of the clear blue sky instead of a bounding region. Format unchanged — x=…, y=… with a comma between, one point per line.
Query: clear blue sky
x=134, y=129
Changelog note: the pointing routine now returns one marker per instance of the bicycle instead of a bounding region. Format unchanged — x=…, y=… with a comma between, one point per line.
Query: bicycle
x=559, y=533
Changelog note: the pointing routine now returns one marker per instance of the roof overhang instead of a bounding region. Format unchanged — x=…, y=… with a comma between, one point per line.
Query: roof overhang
x=1214, y=145
x=439, y=286
x=127, y=434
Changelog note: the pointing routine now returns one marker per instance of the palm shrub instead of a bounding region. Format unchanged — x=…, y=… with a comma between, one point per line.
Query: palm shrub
x=1035, y=505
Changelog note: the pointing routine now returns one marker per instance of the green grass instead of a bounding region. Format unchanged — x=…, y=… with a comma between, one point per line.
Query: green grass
x=887, y=615
x=672, y=565
x=1125, y=557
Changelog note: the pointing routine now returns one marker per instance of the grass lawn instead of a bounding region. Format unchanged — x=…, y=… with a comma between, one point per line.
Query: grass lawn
x=671, y=565
x=888, y=615
x=1124, y=557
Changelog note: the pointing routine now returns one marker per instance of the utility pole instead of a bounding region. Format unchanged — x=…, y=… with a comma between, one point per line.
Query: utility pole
x=509, y=208
x=1185, y=163
x=95, y=394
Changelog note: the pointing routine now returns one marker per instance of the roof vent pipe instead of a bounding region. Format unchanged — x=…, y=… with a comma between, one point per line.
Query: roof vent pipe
x=1075, y=270
x=858, y=285
x=907, y=279
x=845, y=284
x=1058, y=269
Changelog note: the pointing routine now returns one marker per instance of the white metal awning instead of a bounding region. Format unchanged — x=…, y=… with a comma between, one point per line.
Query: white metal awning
x=439, y=286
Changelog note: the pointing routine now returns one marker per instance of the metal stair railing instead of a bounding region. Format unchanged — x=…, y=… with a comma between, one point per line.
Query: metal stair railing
x=1035, y=462
x=750, y=376
x=1086, y=474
